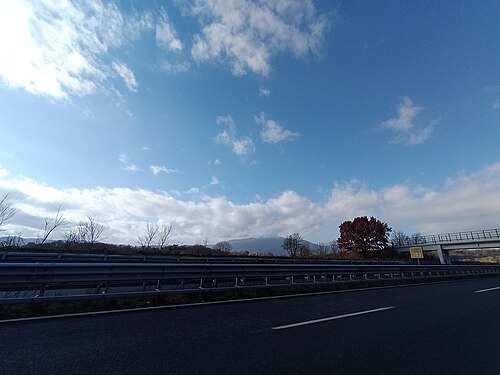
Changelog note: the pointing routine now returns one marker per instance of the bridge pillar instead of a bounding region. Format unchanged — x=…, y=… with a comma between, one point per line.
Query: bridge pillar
x=444, y=255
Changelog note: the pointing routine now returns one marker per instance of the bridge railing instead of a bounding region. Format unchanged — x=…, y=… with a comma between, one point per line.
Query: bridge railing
x=485, y=234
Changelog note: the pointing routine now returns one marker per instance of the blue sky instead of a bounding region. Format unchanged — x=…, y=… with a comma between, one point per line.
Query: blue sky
x=250, y=118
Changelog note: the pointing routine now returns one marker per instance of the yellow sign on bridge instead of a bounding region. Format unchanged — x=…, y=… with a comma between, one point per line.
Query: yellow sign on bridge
x=416, y=252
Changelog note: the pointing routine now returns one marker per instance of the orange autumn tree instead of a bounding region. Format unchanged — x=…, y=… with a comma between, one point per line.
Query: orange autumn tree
x=363, y=235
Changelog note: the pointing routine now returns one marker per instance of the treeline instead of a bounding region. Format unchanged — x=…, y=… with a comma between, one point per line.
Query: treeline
x=106, y=248
x=360, y=238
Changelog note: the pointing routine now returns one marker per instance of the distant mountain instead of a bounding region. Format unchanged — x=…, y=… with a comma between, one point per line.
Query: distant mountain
x=263, y=245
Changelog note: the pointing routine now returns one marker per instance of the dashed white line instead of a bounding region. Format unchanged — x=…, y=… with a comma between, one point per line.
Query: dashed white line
x=487, y=290
x=332, y=318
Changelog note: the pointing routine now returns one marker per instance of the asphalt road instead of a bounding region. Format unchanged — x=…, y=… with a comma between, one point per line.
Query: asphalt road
x=446, y=328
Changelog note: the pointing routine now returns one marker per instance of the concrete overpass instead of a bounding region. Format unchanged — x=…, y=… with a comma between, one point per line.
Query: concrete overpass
x=444, y=243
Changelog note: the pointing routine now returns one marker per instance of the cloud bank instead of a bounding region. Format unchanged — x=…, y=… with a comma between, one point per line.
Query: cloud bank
x=466, y=202
x=58, y=46
x=69, y=49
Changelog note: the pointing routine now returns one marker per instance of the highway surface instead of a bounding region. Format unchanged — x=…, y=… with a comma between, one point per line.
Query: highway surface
x=444, y=328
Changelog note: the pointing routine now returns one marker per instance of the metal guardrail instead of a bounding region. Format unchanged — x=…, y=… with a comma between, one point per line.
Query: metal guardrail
x=19, y=256
x=486, y=234
x=36, y=282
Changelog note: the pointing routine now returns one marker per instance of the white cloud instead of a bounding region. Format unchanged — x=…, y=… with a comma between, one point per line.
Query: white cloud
x=248, y=33
x=123, y=158
x=132, y=168
x=420, y=135
x=166, y=35
x=408, y=132
x=157, y=169
x=466, y=202
x=272, y=132
x=65, y=49
x=217, y=162
x=3, y=172
x=240, y=146
x=407, y=112
x=175, y=68
x=193, y=190
x=58, y=46
x=264, y=92
x=214, y=181
x=127, y=75
x=243, y=146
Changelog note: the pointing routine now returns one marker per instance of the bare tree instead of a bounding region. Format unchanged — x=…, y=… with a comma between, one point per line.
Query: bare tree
x=399, y=238
x=52, y=224
x=148, y=237
x=224, y=247
x=94, y=229
x=202, y=242
x=292, y=244
x=323, y=249
x=304, y=250
x=7, y=210
x=12, y=241
x=71, y=237
x=417, y=238
x=89, y=231
x=164, y=231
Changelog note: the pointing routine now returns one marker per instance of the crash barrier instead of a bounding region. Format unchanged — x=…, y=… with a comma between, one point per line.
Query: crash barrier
x=21, y=256
x=36, y=282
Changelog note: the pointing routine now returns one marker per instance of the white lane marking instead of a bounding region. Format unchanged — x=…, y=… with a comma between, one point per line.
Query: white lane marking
x=136, y=309
x=487, y=290
x=332, y=318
